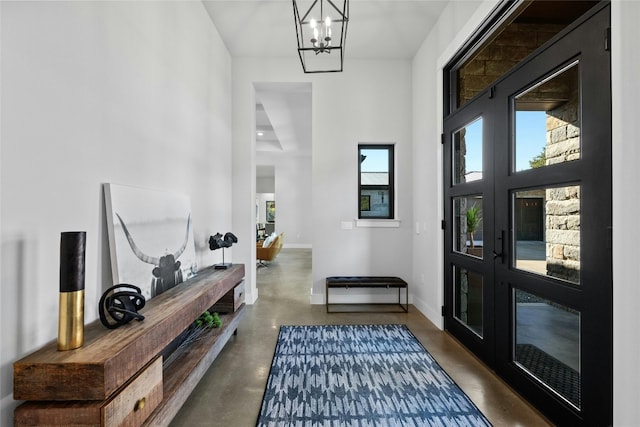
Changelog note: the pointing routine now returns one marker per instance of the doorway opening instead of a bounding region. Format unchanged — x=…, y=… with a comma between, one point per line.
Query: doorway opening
x=283, y=164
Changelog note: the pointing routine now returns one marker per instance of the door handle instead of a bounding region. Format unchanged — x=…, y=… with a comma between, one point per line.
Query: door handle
x=501, y=245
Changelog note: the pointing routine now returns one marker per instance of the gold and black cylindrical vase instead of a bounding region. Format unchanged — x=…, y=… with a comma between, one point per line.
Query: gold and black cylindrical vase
x=71, y=310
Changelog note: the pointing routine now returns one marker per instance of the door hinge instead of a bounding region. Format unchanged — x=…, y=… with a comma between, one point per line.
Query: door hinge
x=442, y=138
x=443, y=224
x=492, y=91
x=607, y=39
x=443, y=311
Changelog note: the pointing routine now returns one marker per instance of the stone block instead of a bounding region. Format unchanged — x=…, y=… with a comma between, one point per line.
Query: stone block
x=573, y=131
x=473, y=68
x=554, y=122
x=477, y=83
x=556, y=222
x=573, y=222
x=558, y=134
x=572, y=253
x=563, y=207
x=564, y=269
x=564, y=237
x=516, y=38
x=558, y=252
x=563, y=148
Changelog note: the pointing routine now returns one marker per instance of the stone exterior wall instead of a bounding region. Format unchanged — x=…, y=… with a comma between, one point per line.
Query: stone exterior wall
x=563, y=125
x=563, y=204
x=510, y=47
x=563, y=233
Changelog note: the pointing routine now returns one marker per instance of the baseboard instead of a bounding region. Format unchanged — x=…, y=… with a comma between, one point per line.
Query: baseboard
x=429, y=312
x=296, y=246
x=317, y=299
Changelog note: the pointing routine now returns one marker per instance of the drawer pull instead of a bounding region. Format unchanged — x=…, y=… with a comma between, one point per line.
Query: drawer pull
x=140, y=404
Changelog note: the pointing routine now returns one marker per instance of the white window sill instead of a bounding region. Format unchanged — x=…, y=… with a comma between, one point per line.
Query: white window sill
x=378, y=223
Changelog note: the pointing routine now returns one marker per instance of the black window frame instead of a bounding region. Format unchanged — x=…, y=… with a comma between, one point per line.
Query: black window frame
x=390, y=187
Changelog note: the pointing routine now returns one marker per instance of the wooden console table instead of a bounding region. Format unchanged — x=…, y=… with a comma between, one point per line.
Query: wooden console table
x=117, y=377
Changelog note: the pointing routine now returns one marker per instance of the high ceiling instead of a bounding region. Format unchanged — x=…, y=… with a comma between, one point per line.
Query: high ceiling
x=378, y=29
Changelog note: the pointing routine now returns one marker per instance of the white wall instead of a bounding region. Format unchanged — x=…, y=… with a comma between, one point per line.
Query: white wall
x=293, y=189
x=347, y=109
x=265, y=185
x=135, y=93
x=294, y=192
x=625, y=68
x=456, y=24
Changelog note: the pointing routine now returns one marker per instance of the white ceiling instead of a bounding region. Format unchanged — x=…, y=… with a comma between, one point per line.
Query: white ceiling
x=378, y=29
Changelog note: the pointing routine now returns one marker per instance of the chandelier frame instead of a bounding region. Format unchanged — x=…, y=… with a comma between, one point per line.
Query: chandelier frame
x=305, y=46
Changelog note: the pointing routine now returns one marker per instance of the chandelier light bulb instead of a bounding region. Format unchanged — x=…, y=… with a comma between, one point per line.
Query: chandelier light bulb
x=327, y=22
x=313, y=23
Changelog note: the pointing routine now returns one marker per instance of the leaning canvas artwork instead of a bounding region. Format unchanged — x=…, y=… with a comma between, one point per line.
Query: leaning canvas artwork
x=150, y=238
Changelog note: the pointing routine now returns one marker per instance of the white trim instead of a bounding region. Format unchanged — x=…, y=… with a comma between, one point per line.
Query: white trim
x=316, y=299
x=378, y=223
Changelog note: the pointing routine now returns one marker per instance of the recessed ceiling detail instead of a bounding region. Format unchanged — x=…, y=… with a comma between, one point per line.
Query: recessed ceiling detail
x=283, y=114
x=266, y=138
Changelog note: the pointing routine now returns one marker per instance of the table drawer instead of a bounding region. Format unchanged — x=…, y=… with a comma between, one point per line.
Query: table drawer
x=128, y=407
x=231, y=301
x=132, y=405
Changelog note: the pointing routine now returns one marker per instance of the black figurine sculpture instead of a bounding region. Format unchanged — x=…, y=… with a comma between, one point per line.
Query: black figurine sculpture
x=217, y=241
x=120, y=304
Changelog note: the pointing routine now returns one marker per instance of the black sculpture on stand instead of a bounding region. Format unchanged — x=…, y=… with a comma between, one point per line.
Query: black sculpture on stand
x=217, y=241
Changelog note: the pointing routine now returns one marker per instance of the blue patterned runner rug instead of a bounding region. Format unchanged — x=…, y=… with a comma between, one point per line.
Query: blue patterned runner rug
x=360, y=375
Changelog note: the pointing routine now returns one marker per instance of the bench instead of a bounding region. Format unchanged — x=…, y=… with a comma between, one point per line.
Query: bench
x=374, y=282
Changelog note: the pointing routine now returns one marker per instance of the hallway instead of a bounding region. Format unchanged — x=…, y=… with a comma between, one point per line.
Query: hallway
x=231, y=392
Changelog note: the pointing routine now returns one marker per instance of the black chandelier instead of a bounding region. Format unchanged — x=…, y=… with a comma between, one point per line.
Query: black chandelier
x=321, y=31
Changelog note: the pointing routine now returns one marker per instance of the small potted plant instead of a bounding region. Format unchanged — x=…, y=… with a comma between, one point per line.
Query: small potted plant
x=474, y=220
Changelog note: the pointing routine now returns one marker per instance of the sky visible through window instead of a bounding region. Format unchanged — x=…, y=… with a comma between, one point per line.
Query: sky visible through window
x=377, y=160
x=531, y=138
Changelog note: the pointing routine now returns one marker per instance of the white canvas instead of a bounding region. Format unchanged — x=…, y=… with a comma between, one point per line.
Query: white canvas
x=159, y=227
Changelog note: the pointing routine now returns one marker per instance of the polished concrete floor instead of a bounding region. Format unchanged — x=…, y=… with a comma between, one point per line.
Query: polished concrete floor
x=231, y=392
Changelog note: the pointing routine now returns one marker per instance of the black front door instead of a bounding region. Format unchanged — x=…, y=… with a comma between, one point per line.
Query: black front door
x=528, y=277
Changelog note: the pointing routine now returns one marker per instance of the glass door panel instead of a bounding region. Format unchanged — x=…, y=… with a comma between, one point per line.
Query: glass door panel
x=547, y=344
x=467, y=224
x=468, y=296
x=467, y=155
x=546, y=226
x=547, y=121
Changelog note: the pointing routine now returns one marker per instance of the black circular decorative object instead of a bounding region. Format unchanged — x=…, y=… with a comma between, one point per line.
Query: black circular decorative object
x=117, y=307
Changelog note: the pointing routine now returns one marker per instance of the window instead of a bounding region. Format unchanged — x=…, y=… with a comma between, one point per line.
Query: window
x=375, y=182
